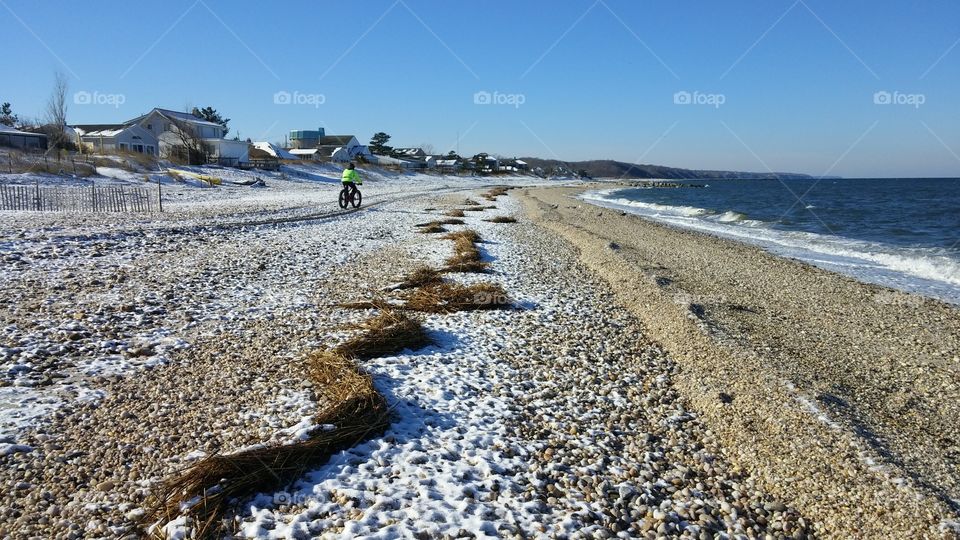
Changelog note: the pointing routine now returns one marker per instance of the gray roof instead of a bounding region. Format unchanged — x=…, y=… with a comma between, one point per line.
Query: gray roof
x=327, y=150
x=15, y=131
x=334, y=140
x=175, y=115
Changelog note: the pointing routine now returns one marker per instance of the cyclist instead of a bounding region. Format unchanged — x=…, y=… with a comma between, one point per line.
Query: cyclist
x=351, y=179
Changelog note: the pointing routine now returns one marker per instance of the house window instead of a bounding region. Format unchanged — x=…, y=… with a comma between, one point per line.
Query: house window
x=123, y=146
x=138, y=148
x=150, y=150
x=150, y=127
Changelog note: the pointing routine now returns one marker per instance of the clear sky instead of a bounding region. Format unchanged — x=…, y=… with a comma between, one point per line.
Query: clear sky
x=850, y=88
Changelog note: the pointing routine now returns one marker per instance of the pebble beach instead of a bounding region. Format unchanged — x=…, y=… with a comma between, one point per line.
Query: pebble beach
x=597, y=406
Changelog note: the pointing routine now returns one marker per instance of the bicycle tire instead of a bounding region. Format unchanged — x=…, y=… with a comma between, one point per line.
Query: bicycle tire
x=356, y=199
x=344, y=198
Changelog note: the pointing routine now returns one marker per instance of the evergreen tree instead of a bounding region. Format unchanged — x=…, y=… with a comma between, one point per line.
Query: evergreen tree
x=7, y=117
x=211, y=115
x=378, y=144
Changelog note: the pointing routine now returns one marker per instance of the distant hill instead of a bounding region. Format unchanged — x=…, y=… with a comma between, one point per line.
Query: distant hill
x=608, y=168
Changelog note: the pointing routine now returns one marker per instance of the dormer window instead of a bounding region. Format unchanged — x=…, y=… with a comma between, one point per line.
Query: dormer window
x=150, y=127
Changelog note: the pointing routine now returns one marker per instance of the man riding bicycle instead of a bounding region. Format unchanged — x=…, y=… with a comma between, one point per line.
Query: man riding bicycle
x=351, y=179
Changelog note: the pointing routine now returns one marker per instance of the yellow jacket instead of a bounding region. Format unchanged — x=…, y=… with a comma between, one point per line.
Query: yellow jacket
x=350, y=175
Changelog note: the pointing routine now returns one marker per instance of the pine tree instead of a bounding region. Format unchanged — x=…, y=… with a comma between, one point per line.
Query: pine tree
x=211, y=115
x=378, y=144
x=7, y=117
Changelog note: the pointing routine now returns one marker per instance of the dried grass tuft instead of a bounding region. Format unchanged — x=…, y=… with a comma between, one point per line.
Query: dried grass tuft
x=468, y=235
x=495, y=192
x=479, y=208
x=468, y=267
x=466, y=255
x=420, y=277
x=502, y=219
x=431, y=228
x=452, y=297
x=206, y=491
x=385, y=335
x=456, y=212
x=470, y=202
x=447, y=221
x=354, y=411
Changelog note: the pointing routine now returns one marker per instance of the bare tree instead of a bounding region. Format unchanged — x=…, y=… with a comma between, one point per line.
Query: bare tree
x=57, y=113
x=191, y=147
x=427, y=148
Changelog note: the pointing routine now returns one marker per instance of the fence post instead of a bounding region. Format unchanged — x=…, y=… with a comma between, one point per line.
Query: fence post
x=38, y=195
x=93, y=192
x=159, y=193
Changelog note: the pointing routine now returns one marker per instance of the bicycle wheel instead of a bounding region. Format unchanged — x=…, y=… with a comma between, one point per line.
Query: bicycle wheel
x=344, y=198
x=357, y=199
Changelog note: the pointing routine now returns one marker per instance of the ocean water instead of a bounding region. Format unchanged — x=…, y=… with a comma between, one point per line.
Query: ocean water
x=901, y=233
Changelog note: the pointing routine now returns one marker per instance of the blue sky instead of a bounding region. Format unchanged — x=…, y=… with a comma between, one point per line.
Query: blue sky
x=778, y=85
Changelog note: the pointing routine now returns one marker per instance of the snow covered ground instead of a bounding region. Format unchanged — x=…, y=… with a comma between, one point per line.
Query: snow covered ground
x=42, y=250
x=132, y=345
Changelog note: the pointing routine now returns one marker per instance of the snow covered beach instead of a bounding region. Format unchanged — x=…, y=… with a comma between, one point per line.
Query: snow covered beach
x=135, y=345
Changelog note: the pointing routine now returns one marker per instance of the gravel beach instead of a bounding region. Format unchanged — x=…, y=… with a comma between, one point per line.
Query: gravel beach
x=842, y=397
x=600, y=406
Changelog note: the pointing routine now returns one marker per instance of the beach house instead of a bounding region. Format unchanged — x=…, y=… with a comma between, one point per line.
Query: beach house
x=171, y=127
x=105, y=138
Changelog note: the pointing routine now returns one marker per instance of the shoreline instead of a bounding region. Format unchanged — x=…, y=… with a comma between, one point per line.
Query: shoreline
x=811, y=376
x=921, y=272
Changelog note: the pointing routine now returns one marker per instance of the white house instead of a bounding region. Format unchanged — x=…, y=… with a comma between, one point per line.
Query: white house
x=229, y=151
x=349, y=147
x=448, y=165
x=307, y=154
x=274, y=150
x=395, y=162
x=333, y=153
x=117, y=137
x=163, y=123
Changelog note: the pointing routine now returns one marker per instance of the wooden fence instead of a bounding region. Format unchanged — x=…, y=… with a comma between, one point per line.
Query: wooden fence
x=78, y=199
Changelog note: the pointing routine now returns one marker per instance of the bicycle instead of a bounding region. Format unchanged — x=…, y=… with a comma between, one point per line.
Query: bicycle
x=350, y=197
